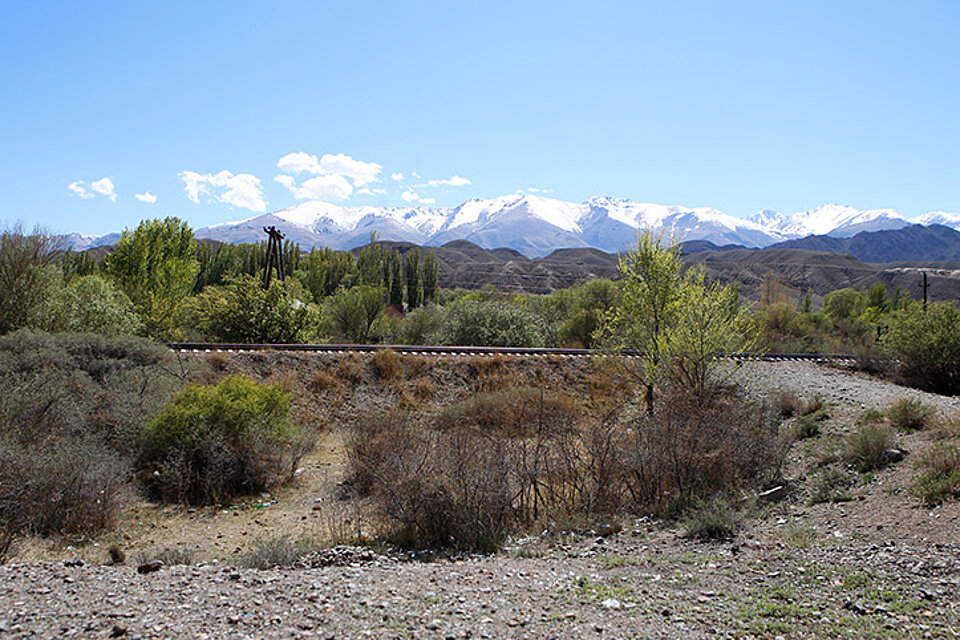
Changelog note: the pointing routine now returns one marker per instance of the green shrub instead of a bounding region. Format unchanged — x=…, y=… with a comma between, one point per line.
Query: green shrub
x=910, y=414
x=928, y=347
x=243, y=311
x=92, y=304
x=941, y=477
x=832, y=485
x=492, y=324
x=218, y=441
x=867, y=447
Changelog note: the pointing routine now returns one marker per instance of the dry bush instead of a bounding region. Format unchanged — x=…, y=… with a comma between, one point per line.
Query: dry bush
x=607, y=386
x=785, y=403
x=490, y=373
x=503, y=460
x=217, y=361
x=276, y=552
x=71, y=408
x=323, y=381
x=515, y=412
x=169, y=556
x=711, y=520
x=350, y=369
x=423, y=389
x=387, y=364
x=684, y=450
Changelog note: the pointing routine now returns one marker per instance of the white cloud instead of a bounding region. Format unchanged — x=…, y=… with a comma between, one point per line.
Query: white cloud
x=334, y=187
x=396, y=177
x=359, y=172
x=455, y=181
x=146, y=196
x=81, y=191
x=371, y=192
x=103, y=187
x=336, y=175
x=242, y=190
x=299, y=162
x=412, y=196
x=535, y=190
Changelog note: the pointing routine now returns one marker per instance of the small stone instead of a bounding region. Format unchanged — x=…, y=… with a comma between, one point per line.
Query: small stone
x=73, y=562
x=893, y=455
x=118, y=631
x=611, y=603
x=149, y=567
x=433, y=625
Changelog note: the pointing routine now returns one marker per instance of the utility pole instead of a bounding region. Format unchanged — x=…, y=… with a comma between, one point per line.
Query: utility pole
x=925, y=286
x=274, y=256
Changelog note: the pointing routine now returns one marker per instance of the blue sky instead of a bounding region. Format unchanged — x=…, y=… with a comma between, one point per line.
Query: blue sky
x=740, y=106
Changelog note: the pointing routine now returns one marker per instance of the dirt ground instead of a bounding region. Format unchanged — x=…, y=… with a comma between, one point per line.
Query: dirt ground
x=877, y=564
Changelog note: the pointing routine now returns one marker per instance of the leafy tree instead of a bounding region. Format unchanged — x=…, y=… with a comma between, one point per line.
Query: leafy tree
x=353, y=312
x=243, y=311
x=586, y=306
x=843, y=303
x=414, y=294
x=673, y=322
x=370, y=264
x=491, y=324
x=431, y=276
x=396, y=279
x=156, y=266
x=28, y=276
x=323, y=270
x=91, y=304
x=927, y=346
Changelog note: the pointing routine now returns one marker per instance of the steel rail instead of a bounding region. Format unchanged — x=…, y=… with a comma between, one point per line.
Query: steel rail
x=435, y=350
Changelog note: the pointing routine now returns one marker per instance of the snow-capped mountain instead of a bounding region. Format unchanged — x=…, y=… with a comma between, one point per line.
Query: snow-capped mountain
x=831, y=220
x=533, y=225
x=536, y=226
x=951, y=220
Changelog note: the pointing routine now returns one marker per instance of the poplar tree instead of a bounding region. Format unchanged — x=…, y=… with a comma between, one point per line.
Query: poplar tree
x=414, y=294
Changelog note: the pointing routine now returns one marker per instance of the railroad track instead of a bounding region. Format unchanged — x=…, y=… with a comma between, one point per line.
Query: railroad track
x=432, y=350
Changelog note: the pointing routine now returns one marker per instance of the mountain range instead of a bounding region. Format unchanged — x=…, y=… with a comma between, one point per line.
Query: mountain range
x=536, y=226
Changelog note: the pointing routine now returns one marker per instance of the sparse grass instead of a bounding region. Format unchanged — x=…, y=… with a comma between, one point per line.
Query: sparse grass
x=276, y=552
x=941, y=478
x=809, y=416
x=597, y=592
x=831, y=485
x=866, y=447
x=815, y=406
x=169, y=556
x=910, y=414
x=713, y=520
x=798, y=536
x=871, y=416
